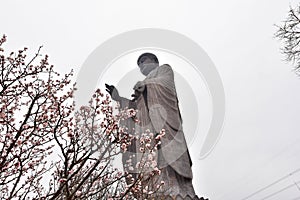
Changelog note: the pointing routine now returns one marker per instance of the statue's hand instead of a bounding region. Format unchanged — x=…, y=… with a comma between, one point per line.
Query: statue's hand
x=113, y=92
x=139, y=86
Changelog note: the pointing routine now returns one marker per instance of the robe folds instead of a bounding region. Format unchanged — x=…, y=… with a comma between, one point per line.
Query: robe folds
x=158, y=109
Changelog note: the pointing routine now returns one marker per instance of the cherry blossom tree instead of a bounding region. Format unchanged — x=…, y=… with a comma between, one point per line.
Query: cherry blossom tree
x=31, y=110
x=85, y=170
x=49, y=150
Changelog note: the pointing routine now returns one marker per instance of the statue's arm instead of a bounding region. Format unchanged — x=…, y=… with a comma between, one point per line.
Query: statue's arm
x=124, y=102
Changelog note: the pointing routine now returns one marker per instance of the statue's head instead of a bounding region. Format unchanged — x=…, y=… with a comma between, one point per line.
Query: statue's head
x=147, y=62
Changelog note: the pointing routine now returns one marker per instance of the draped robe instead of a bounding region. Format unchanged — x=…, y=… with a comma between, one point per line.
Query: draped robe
x=158, y=109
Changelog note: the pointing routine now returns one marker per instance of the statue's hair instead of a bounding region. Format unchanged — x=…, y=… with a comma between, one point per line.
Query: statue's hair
x=147, y=55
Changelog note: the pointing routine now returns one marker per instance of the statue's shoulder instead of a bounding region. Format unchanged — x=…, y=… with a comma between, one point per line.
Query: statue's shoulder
x=166, y=67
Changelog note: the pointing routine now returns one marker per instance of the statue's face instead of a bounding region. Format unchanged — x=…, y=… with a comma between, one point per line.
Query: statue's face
x=147, y=66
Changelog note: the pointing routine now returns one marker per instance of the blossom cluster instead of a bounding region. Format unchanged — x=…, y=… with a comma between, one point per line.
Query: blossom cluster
x=50, y=150
x=31, y=110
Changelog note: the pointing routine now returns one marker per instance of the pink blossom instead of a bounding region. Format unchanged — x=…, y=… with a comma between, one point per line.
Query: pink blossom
x=78, y=193
x=62, y=180
x=2, y=115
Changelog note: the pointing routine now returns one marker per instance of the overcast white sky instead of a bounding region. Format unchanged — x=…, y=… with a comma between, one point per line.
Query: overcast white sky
x=260, y=139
